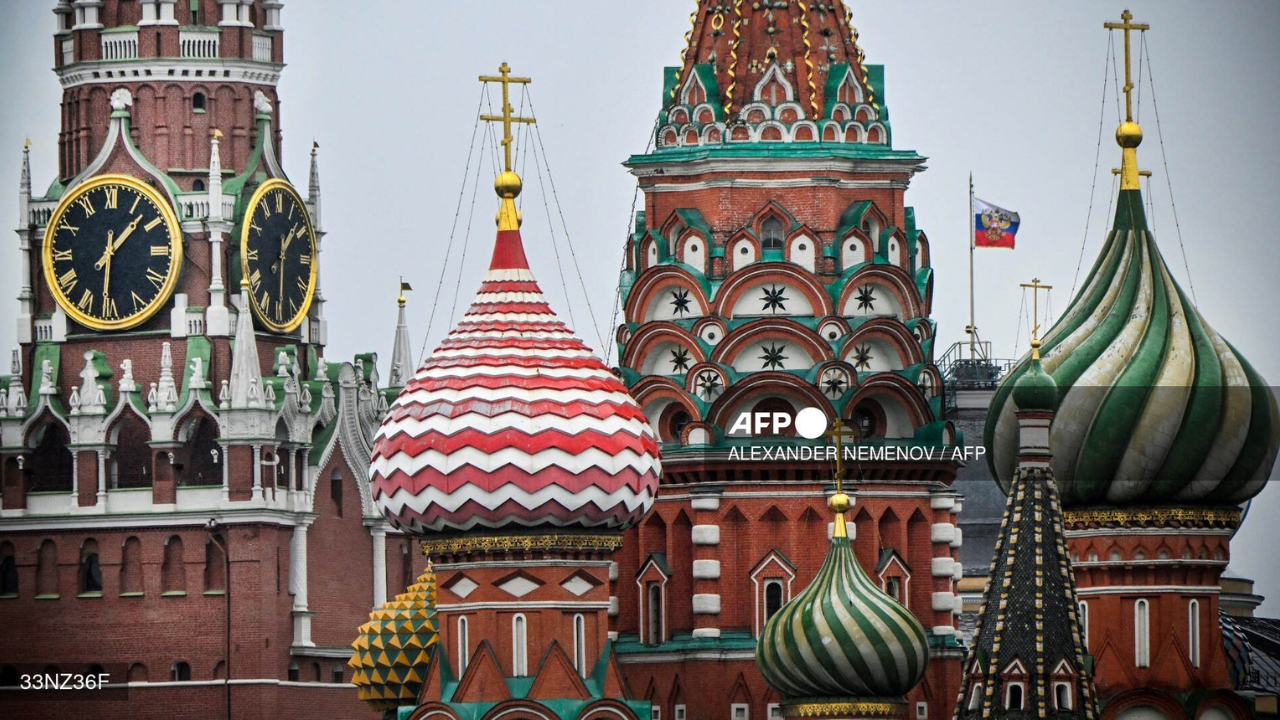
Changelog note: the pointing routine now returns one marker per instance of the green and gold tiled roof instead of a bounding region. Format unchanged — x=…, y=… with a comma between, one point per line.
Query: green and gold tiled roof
x=842, y=637
x=394, y=648
x=1156, y=408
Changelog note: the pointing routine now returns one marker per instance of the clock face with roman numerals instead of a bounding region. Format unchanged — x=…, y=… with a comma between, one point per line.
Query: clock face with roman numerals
x=112, y=252
x=278, y=256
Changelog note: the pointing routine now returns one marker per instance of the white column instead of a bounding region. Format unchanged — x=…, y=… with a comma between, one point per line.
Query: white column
x=102, y=480
x=258, y=493
x=379, y=565
x=298, y=587
x=226, y=473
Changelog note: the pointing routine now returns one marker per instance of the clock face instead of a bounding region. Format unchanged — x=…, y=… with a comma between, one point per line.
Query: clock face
x=278, y=256
x=112, y=252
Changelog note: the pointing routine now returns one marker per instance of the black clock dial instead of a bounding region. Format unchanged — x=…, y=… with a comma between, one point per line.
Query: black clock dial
x=278, y=256
x=112, y=252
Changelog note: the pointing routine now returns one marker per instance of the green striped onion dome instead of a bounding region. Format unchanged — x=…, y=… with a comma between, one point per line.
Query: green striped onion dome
x=842, y=637
x=1155, y=409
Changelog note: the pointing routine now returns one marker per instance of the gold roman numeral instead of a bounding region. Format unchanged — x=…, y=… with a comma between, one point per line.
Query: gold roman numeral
x=279, y=201
x=61, y=255
x=255, y=227
x=84, y=202
x=160, y=251
x=134, y=206
x=266, y=210
x=265, y=302
x=156, y=278
x=113, y=197
x=138, y=303
x=64, y=225
x=305, y=259
x=109, y=311
x=292, y=206
x=252, y=254
x=67, y=280
x=152, y=225
x=279, y=310
x=86, y=302
x=255, y=279
x=302, y=286
x=293, y=307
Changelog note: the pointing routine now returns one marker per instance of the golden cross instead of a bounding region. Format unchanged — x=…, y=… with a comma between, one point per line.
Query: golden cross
x=506, y=118
x=1126, y=26
x=1036, y=287
x=840, y=431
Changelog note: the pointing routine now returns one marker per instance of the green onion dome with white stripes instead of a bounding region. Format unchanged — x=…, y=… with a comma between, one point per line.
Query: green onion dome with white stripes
x=842, y=637
x=1156, y=408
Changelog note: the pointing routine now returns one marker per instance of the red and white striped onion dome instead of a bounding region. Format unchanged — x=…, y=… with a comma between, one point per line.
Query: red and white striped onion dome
x=512, y=421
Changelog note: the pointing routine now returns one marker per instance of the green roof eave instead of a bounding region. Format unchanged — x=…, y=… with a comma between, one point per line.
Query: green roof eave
x=706, y=73
x=748, y=150
x=852, y=217
x=693, y=218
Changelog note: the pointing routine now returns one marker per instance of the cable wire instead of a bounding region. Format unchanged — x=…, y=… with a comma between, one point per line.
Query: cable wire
x=617, y=293
x=1155, y=107
x=466, y=173
x=1097, y=157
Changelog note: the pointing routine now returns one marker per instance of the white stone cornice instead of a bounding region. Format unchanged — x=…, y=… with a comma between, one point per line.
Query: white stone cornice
x=1144, y=590
x=169, y=70
x=735, y=166
x=739, y=182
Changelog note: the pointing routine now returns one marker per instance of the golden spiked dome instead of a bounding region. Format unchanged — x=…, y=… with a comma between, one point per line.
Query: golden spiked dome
x=394, y=647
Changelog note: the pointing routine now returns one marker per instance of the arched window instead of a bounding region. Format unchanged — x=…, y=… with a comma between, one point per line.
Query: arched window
x=293, y=672
x=181, y=671
x=219, y=670
x=47, y=570
x=315, y=672
x=1141, y=634
x=173, y=572
x=132, y=457
x=1082, y=611
x=90, y=575
x=137, y=673
x=203, y=462
x=580, y=644
x=8, y=571
x=1193, y=632
x=198, y=185
x=1062, y=696
x=406, y=565
x=337, y=672
x=335, y=489
x=464, y=644
x=215, y=568
x=975, y=696
x=653, y=613
x=772, y=598
x=131, y=568
x=519, y=646
x=1013, y=696
x=771, y=233
x=51, y=462
x=198, y=102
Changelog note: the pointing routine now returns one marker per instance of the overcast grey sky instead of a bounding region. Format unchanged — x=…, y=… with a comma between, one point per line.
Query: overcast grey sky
x=1008, y=90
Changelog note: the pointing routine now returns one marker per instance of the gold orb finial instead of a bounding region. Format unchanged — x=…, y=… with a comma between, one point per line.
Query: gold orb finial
x=839, y=503
x=1129, y=134
x=507, y=185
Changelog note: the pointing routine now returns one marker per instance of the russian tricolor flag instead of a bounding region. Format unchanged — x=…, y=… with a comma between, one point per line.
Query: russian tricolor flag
x=993, y=226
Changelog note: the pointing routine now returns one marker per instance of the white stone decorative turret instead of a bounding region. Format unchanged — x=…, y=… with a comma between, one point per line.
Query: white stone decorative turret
x=401, y=352
x=93, y=400
x=87, y=17
x=166, y=390
x=217, y=321
x=17, y=401
x=25, y=295
x=313, y=187
x=246, y=376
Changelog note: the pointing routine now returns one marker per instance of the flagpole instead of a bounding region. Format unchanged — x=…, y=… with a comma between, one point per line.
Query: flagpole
x=973, y=330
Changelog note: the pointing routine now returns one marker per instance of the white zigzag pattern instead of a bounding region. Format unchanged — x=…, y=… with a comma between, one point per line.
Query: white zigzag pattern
x=451, y=502
x=414, y=427
x=531, y=463
x=498, y=352
x=509, y=297
x=509, y=275
x=500, y=370
x=514, y=392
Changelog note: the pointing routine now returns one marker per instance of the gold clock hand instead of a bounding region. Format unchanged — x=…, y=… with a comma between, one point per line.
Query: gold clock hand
x=127, y=232
x=106, y=261
x=106, y=253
